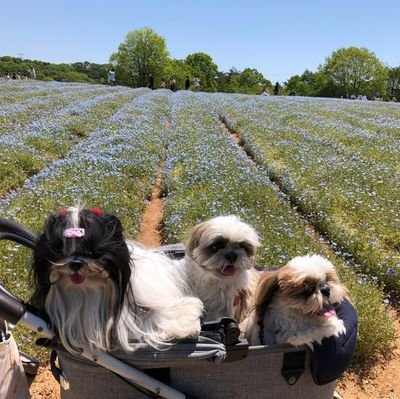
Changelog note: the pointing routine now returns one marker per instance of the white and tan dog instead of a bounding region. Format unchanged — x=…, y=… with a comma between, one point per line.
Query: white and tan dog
x=219, y=264
x=294, y=305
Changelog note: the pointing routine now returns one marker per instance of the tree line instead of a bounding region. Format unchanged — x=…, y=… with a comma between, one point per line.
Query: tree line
x=347, y=72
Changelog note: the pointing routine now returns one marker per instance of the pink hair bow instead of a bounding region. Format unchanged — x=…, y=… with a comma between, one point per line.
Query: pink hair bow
x=74, y=232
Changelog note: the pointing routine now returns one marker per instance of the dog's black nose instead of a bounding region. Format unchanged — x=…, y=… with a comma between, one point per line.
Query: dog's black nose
x=325, y=291
x=231, y=256
x=76, y=265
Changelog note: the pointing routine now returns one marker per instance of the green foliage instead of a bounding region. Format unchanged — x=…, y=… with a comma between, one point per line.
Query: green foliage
x=179, y=70
x=376, y=332
x=204, y=68
x=355, y=71
x=332, y=172
x=143, y=52
x=44, y=70
x=249, y=81
x=394, y=83
x=95, y=72
x=303, y=85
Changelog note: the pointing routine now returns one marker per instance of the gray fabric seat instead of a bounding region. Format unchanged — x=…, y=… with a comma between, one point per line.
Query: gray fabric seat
x=193, y=370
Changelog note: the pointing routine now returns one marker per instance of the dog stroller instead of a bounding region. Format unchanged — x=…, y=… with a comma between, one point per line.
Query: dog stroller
x=218, y=365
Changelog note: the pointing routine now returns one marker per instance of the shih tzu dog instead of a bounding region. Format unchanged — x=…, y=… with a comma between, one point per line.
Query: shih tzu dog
x=219, y=264
x=103, y=292
x=294, y=305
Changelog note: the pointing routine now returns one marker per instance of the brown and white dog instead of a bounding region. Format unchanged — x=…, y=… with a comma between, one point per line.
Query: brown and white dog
x=294, y=304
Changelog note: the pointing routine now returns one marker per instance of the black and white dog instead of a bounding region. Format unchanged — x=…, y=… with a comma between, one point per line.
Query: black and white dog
x=101, y=291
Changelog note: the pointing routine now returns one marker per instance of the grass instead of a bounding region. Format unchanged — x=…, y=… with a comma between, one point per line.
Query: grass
x=103, y=146
x=208, y=175
x=338, y=174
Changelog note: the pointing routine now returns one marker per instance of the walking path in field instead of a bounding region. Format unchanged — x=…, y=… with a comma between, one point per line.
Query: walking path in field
x=310, y=229
x=150, y=232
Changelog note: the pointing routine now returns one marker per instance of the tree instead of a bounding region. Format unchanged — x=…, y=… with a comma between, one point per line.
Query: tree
x=224, y=80
x=44, y=70
x=204, y=68
x=303, y=85
x=394, y=82
x=143, y=52
x=96, y=72
x=179, y=70
x=356, y=71
x=249, y=81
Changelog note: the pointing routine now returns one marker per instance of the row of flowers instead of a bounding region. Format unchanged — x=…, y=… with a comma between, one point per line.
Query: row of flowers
x=207, y=174
x=52, y=127
x=342, y=174
x=114, y=168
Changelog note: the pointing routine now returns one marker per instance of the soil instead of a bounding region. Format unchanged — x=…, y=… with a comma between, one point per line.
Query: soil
x=382, y=381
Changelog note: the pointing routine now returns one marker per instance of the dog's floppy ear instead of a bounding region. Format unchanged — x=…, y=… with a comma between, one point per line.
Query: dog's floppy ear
x=113, y=224
x=194, y=237
x=266, y=288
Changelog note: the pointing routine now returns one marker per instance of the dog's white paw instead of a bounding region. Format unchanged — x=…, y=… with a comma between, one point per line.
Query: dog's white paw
x=341, y=329
x=184, y=319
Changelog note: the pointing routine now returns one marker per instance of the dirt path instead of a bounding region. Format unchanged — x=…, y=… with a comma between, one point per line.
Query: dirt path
x=150, y=233
x=382, y=382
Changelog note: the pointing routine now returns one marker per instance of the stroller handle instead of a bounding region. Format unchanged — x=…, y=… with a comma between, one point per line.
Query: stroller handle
x=13, y=308
x=13, y=231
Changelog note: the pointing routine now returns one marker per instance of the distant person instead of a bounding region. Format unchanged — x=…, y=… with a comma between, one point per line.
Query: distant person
x=14, y=76
x=151, y=82
x=7, y=76
x=32, y=72
x=292, y=93
x=111, y=77
x=187, y=83
x=265, y=92
x=172, y=84
x=196, y=84
x=276, y=89
x=163, y=84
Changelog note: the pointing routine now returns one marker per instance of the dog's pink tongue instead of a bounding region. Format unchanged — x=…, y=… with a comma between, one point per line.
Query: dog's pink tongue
x=328, y=311
x=77, y=278
x=228, y=270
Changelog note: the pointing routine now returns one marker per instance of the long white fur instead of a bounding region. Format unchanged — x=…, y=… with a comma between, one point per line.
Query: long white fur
x=164, y=311
x=160, y=288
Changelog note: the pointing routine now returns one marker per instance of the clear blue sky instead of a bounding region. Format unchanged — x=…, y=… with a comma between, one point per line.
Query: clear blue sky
x=279, y=38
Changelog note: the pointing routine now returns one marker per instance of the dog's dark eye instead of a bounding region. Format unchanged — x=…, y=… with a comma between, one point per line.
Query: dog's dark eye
x=217, y=245
x=247, y=247
x=308, y=290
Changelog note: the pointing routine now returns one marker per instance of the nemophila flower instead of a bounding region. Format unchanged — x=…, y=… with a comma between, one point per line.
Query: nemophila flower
x=124, y=157
x=323, y=154
x=221, y=175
